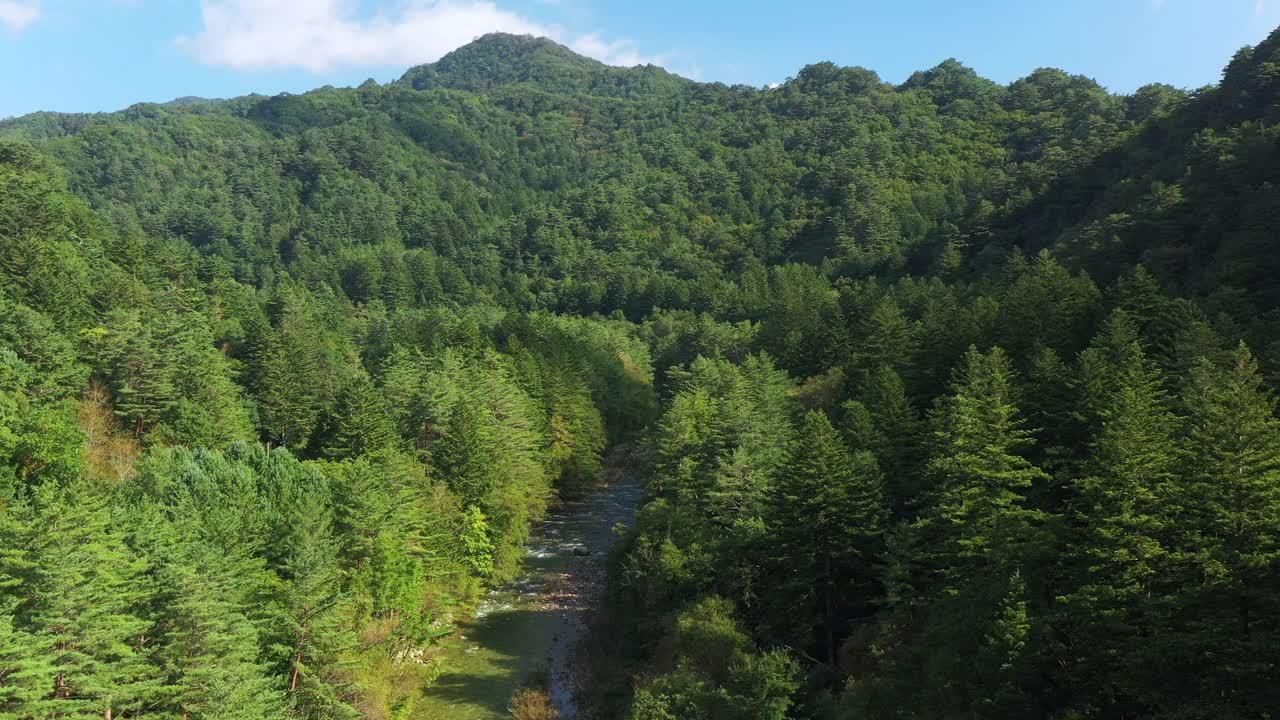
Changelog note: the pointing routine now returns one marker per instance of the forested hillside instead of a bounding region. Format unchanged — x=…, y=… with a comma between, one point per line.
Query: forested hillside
x=956, y=399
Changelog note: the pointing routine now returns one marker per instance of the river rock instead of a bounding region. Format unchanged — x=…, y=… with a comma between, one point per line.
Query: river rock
x=582, y=551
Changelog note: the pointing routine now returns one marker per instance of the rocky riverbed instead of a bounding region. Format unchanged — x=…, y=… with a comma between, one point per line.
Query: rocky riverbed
x=532, y=625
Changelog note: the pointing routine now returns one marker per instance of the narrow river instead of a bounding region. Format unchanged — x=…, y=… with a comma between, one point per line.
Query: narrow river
x=532, y=624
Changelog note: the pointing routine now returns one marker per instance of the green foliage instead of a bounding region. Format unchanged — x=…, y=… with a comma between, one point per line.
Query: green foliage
x=211, y=645
x=1123, y=513
x=437, y=302
x=826, y=515
x=463, y=457
x=84, y=607
x=26, y=672
x=717, y=673
x=363, y=419
x=979, y=471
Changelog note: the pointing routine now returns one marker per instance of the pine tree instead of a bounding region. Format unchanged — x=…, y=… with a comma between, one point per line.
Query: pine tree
x=860, y=430
x=1228, y=529
x=401, y=379
x=289, y=403
x=292, y=382
x=365, y=505
x=692, y=439
x=26, y=673
x=887, y=338
x=979, y=468
x=896, y=420
x=84, y=610
x=363, y=420
x=208, y=409
x=1002, y=661
x=974, y=534
x=1117, y=552
x=210, y=648
x=464, y=456
x=142, y=381
x=826, y=517
x=314, y=640
x=254, y=351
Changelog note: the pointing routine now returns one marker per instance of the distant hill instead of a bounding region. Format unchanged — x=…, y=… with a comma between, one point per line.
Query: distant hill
x=500, y=59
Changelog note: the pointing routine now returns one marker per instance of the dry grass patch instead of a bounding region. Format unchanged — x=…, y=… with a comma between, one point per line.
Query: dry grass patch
x=111, y=452
x=533, y=704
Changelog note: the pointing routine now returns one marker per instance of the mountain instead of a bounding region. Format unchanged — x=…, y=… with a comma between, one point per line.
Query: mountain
x=952, y=399
x=499, y=59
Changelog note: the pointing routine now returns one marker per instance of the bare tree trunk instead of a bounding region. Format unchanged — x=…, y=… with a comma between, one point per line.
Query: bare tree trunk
x=829, y=609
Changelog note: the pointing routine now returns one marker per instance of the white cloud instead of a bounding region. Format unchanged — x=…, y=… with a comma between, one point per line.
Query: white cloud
x=18, y=14
x=619, y=52
x=320, y=35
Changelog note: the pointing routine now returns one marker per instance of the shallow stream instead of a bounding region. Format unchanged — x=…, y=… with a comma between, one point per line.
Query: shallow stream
x=533, y=623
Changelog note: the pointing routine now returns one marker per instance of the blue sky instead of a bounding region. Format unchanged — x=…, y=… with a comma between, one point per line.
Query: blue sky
x=91, y=55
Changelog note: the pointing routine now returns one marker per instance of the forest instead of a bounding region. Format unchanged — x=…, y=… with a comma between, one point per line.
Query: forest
x=953, y=399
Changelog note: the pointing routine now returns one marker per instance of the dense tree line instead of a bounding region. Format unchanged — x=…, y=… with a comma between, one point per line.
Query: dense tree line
x=1090, y=534
x=221, y=500
x=956, y=398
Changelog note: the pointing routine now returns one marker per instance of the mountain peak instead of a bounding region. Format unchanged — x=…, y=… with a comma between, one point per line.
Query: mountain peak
x=499, y=59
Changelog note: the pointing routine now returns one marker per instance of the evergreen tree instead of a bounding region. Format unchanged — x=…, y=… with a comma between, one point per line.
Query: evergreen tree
x=208, y=408
x=84, y=608
x=314, y=640
x=142, y=380
x=210, y=648
x=1003, y=660
x=974, y=535
x=464, y=456
x=1121, y=563
x=826, y=517
x=860, y=429
x=887, y=339
x=898, y=424
x=292, y=393
x=363, y=419
x=1228, y=530
x=26, y=674
x=1052, y=406
x=979, y=468
x=691, y=441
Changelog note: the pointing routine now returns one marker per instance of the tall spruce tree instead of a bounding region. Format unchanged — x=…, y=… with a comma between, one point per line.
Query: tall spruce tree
x=84, y=607
x=464, y=456
x=1116, y=557
x=975, y=534
x=26, y=672
x=363, y=420
x=897, y=422
x=826, y=516
x=292, y=393
x=314, y=642
x=979, y=469
x=210, y=647
x=1228, y=531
